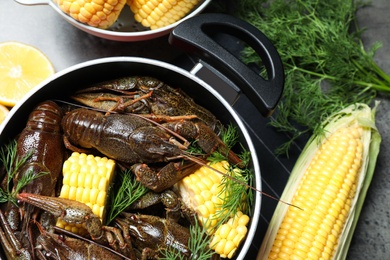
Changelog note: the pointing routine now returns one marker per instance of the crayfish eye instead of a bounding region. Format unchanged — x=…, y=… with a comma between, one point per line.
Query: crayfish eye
x=61, y=238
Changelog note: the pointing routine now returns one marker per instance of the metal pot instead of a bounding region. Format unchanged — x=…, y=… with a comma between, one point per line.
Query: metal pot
x=125, y=28
x=265, y=93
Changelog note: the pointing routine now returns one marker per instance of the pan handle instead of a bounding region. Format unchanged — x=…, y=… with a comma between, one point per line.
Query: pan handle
x=193, y=37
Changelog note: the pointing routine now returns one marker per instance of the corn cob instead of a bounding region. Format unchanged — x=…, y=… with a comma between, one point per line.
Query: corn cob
x=86, y=178
x=323, y=187
x=97, y=13
x=203, y=191
x=159, y=13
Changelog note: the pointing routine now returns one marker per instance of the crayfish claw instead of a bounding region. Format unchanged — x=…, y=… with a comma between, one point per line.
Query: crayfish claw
x=165, y=177
x=71, y=211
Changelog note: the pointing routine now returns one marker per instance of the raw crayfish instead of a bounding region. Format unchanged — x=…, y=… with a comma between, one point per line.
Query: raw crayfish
x=41, y=141
x=144, y=95
x=134, y=140
x=150, y=233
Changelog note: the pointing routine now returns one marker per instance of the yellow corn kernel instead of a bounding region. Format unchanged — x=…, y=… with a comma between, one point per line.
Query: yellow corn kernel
x=312, y=228
x=96, y=209
x=203, y=210
x=159, y=13
x=93, y=196
x=224, y=231
x=72, y=193
x=101, y=199
x=97, y=13
x=86, y=178
x=86, y=195
x=65, y=190
x=206, y=195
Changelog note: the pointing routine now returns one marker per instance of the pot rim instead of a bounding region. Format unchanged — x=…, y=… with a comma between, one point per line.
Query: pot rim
x=157, y=63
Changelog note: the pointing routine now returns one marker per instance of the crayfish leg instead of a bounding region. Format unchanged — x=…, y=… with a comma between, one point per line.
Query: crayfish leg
x=118, y=101
x=120, y=242
x=73, y=148
x=168, y=198
x=11, y=245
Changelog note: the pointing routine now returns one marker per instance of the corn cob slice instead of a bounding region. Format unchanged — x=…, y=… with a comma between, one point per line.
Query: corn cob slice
x=159, y=13
x=86, y=178
x=229, y=236
x=203, y=192
x=329, y=178
x=97, y=13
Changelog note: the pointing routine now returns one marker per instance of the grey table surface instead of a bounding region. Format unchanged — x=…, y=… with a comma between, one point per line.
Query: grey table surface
x=65, y=46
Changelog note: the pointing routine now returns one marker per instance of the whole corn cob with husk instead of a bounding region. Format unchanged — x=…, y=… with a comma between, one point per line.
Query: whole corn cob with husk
x=203, y=191
x=86, y=178
x=327, y=188
x=97, y=13
x=159, y=13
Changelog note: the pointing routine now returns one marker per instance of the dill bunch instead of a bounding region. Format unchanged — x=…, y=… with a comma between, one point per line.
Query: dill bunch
x=326, y=64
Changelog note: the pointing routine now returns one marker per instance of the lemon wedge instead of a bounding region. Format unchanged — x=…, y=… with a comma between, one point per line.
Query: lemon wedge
x=22, y=67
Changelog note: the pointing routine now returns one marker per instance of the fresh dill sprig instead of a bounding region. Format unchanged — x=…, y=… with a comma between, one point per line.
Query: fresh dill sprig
x=126, y=191
x=229, y=136
x=170, y=253
x=235, y=196
x=12, y=164
x=216, y=157
x=194, y=149
x=198, y=244
x=327, y=67
x=245, y=156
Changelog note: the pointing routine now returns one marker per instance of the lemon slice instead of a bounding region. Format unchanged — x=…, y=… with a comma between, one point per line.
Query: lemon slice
x=22, y=67
x=3, y=113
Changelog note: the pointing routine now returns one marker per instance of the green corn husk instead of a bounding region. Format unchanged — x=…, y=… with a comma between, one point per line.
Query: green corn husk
x=357, y=113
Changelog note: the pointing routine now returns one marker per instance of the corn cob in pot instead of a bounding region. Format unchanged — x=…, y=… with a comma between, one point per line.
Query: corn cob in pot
x=205, y=192
x=326, y=188
x=86, y=178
